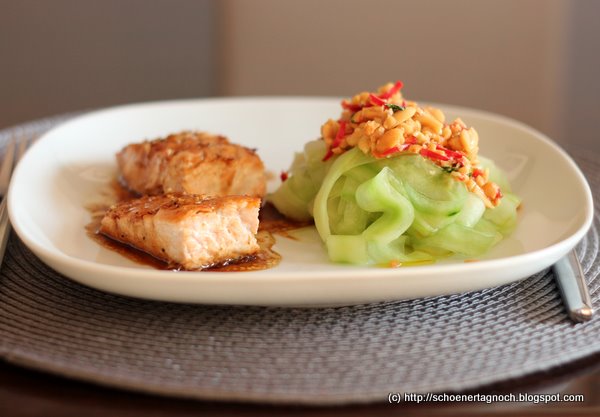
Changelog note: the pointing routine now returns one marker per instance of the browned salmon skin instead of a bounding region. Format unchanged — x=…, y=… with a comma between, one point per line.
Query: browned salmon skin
x=187, y=230
x=194, y=163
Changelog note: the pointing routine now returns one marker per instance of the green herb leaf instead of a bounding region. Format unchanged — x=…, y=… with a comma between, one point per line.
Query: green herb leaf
x=450, y=169
x=394, y=107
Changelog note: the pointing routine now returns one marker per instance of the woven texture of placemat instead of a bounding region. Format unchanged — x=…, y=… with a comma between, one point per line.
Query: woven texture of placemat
x=311, y=356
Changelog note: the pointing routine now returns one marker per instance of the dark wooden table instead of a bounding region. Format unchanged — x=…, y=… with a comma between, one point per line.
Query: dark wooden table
x=26, y=392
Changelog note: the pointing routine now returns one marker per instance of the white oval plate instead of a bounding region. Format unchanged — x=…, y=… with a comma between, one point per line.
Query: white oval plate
x=70, y=164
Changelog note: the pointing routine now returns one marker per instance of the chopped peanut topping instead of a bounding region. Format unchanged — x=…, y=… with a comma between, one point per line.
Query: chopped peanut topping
x=384, y=125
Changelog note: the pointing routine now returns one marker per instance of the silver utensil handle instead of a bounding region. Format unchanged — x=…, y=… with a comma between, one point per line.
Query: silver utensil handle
x=4, y=228
x=573, y=288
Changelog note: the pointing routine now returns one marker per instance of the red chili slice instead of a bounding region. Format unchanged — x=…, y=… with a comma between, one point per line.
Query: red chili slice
x=379, y=100
x=339, y=137
x=477, y=172
x=352, y=107
x=387, y=152
x=341, y=134
x=283, y=176
x=433, y=155
x=454, y=154
x=450, y=152
x=411, y=141
x=392, y=91
x=376, y=100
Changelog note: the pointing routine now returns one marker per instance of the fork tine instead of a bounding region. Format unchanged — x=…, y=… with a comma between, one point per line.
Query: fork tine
x=7, y=167
x=5, y=173
x=21, y=150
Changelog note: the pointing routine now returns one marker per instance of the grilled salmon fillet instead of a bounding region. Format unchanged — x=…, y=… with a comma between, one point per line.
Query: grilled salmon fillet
x=188, y=230
x=193, y=163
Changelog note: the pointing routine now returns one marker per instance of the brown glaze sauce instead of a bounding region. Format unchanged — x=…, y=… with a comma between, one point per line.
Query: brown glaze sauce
x=271, y=222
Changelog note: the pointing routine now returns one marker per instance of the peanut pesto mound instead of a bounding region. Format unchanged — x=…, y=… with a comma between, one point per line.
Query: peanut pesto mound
x=392, y=183
x=383, y=125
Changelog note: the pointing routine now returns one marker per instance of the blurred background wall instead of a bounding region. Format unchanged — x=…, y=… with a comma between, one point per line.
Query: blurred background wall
x=533, y=60
x=67, y=55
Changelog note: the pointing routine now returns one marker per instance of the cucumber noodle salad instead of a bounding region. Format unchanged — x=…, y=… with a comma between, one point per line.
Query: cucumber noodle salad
x=392, y=183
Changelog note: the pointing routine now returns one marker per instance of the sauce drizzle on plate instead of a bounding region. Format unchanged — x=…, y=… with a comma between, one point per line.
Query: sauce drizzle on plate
x=271, y=222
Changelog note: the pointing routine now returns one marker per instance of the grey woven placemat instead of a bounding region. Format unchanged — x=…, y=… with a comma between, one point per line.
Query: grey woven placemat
x=316, y=356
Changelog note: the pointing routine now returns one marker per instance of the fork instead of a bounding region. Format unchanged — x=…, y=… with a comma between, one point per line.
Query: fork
x=573, y=288
x=8, y=164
